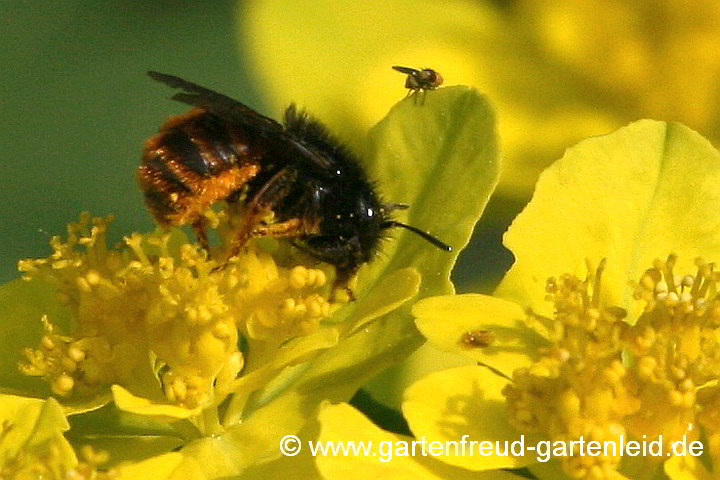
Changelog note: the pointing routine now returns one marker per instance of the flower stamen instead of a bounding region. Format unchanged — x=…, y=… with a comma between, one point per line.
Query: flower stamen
x=160, y=305
x=603, y=378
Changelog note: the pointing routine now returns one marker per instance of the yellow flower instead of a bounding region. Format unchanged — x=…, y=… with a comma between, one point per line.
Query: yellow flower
x=596, y=378
x=171, y=304
x=32, y=444
x=624, y=352
x=217, y=362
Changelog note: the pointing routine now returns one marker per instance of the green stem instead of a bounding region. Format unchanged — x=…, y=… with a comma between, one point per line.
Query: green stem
x=209, y=422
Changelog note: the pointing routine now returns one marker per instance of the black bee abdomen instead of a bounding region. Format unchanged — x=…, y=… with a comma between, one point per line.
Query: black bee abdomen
x=158, y=165
x=182, y=146
x=215, y=141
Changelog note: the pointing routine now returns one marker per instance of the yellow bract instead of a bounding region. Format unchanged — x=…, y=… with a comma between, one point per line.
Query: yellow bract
x=594, y=377
x=628, y=348
x=391, y=456
x=448, y=322
x=641, y=193
x=31, y=440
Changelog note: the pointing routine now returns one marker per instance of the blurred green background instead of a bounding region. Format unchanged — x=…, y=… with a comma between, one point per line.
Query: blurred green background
x=77, y=105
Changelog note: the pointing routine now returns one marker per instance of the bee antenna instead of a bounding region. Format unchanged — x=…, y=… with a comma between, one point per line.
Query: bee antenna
x=435, y=241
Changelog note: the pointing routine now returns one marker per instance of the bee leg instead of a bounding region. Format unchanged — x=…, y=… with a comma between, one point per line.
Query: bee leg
x=200, y=228
x=276, y=189
x=289, y=228
x=342, y=280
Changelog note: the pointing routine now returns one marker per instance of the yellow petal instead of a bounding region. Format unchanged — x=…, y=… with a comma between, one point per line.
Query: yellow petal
x=686, y=468
x=335, y=375
x=387, y=294
x=389, y=387
x=170, y=466
x=419, y=155
x=446, y=320
x=32, y=421
x=22, y=306
x=128, y=402
x=640, y=193
x=447, y=405
x=294, y=352
x=301, y=465
x=32, y=432
x=389, y=456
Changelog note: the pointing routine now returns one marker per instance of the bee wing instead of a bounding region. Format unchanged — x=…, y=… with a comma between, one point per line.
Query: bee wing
x=405, y=70
x=234, y=111
x=217, y=103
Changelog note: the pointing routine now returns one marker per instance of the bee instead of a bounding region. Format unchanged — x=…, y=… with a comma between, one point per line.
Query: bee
x=420, y=80
x=313, y=188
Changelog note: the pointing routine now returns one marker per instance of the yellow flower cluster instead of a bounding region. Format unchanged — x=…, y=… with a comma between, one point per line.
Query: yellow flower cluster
x=675, y=350
x=160, y=312
x=606, y=380
x=50, y=460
